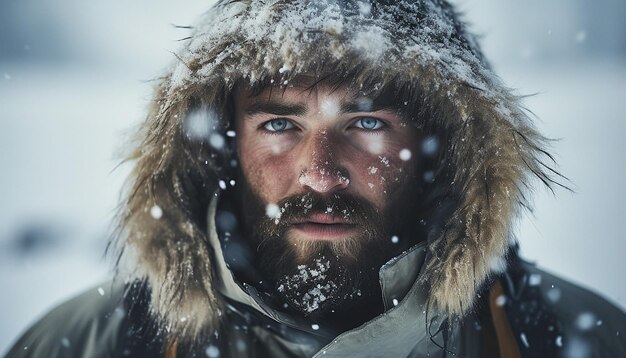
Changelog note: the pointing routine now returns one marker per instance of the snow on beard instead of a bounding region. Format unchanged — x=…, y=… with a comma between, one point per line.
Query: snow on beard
x=324, y=284
x=316, y=276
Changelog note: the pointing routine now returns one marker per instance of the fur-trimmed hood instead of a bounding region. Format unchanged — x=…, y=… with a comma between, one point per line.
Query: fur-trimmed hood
x=420, y=49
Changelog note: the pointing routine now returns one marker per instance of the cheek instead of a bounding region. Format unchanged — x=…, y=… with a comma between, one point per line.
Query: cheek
x=267, y=167
x=383, y=172
x=376, y=172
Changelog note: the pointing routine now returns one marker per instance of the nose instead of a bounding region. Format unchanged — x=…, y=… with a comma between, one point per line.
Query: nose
x=321, y=171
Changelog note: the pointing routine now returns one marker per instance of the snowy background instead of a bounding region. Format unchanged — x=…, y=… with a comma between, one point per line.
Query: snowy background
x=74, y=79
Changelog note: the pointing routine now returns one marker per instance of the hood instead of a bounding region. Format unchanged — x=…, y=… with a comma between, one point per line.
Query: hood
x=418, y=49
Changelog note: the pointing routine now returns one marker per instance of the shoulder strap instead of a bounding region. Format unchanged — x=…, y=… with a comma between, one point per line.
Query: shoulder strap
x=507, y=344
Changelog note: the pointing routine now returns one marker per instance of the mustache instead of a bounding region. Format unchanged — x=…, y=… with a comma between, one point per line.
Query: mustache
x=352, y=209
x=270, y=232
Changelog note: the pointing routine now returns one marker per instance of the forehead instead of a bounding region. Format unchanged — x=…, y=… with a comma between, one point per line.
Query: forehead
x=303, y=89
x=299, y=87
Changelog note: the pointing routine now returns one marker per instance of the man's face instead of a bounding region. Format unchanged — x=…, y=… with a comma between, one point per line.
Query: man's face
x=329, y=180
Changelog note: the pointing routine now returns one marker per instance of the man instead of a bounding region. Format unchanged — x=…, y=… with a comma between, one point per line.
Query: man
x=331, y=178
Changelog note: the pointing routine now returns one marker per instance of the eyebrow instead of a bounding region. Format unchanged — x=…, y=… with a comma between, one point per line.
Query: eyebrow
x=280, y=109
x=351, y=107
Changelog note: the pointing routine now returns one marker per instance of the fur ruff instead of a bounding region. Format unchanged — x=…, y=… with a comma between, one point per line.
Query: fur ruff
x=424, y=53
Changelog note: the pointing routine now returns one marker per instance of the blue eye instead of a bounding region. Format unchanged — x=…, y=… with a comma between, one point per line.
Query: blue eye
x=369, y=123
x=278, y=125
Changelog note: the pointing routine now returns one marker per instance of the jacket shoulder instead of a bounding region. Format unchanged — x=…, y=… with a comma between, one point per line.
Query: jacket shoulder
x=87, y=325
x=575, y=319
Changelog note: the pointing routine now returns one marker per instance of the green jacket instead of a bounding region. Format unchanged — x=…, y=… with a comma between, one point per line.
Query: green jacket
x=545, y=317
x=95, y=325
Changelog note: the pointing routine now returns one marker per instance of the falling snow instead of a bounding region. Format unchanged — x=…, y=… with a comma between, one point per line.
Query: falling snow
x=276, y=149
x=375, y=146
x=554, y=294
x=212, y=351
x=156, y=212
x=241, y=345
x=534, y=279
x=199, y=125
x=329, y=108
x=430, y=145
x=576, y=347
x=273, y=212
x=524, y=339
x=429, y=176
x=364, y=104
x=586, y=321
x=225, y=221
x=216, y=140
x=405, y=154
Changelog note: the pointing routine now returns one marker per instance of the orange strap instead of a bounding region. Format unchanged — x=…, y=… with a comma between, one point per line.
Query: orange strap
x=506, y=340
x=170, y=351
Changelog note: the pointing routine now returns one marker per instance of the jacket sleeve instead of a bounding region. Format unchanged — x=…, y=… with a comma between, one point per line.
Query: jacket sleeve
x=85, y=326
x=592, y=326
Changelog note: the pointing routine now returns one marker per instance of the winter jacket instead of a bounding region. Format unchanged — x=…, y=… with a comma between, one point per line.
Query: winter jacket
x=525, y=312
x=463, y=291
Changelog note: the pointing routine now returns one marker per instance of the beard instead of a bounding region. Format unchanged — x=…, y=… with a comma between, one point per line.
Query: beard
x=317, y=277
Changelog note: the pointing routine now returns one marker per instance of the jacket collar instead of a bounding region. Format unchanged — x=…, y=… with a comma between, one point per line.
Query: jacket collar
x=402, y=328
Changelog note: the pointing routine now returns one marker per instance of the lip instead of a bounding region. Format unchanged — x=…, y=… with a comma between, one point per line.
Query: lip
x=324, y=227
x=320, y=218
